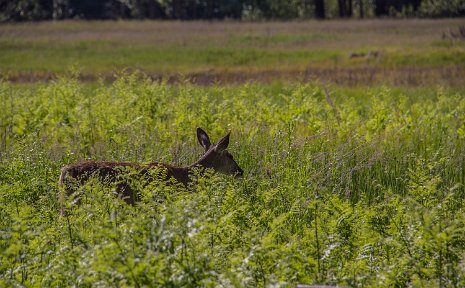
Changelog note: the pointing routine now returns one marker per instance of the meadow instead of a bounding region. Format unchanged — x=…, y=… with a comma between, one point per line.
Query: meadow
x=412, y=51
x=351, y=185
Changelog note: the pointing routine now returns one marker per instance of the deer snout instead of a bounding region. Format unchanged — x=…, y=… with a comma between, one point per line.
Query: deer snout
x=239, y=172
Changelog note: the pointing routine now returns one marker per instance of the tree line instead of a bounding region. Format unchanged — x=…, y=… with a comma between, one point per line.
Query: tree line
x=35, y=10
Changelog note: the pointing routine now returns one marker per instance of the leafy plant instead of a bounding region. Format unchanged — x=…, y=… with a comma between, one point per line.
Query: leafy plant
x=363, y=187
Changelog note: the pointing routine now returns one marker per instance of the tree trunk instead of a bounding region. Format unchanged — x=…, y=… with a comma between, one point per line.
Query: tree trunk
x=345, y=8
x=361, y=10
x=381, y=8
x=320, y=9
x=342, y=11
x=349, y=8
x=176, y=9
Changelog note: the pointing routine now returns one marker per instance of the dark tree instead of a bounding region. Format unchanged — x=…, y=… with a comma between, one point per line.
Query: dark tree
x=345, y=8
x=148, y=9
x=382, y=7
x=386, y=7
x=361, y=9
x=86, y=9
x=176, y=9
x=35, y=10
x=25, y=10
x=278, y=9
x=320, y=12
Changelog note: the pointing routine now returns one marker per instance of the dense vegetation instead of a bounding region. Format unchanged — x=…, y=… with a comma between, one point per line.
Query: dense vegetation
x=357, y=185
x=27, y=10
x=349, y=186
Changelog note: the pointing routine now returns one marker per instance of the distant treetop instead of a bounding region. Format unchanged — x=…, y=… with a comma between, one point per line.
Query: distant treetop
x=34, y=10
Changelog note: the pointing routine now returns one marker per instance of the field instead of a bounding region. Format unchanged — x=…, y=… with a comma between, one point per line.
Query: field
x=358, y=182
x=400, y=52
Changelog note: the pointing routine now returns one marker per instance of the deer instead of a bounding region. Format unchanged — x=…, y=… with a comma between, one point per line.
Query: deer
x=215, y=157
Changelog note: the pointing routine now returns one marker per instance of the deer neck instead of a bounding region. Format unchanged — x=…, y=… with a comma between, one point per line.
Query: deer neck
x=206, y=161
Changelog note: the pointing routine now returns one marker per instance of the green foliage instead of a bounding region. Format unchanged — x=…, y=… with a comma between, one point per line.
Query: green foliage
x=442, y=8
x=350, y=186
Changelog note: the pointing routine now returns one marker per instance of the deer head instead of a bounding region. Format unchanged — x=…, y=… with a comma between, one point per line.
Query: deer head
x=216, y=156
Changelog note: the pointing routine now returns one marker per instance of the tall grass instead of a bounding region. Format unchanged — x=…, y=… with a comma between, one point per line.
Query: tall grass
x=357, y=187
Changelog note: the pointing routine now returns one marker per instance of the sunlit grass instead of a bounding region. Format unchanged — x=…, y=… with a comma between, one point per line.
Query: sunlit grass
x=178, y=47
x=347, y=186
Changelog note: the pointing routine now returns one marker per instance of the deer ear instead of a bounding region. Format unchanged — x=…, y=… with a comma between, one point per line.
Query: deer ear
x=223, y=143
x=203, y=139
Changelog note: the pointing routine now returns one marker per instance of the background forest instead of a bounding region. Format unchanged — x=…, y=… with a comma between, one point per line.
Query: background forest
x=24, y=10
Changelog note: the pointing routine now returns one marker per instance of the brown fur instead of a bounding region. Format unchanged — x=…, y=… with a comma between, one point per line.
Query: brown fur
x=109, y=172
x=215, y=157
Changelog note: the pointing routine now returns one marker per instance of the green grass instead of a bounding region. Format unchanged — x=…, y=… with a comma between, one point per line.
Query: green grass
x=352, y=186
x=364, y=187
x=289, y=39
x=187, y=47
x=100, y=57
